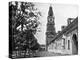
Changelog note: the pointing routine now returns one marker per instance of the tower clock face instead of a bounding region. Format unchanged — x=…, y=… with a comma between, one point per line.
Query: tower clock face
x=50, y=20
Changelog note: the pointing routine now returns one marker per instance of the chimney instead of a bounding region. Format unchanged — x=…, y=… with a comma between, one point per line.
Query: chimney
x=59, y=32
x=69, y=20
x=63, y=27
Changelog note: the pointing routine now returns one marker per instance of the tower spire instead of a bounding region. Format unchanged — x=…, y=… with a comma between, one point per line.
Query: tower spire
x=50, y=13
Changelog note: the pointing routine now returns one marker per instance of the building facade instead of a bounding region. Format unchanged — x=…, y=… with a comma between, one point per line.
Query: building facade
x=50, y=33
x=66, y=41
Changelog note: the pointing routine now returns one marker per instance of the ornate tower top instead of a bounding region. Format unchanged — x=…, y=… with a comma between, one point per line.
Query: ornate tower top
x=50, y=16
x=50, y=13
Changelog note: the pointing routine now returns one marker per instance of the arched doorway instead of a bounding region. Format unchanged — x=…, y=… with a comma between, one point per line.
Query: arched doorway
x=75, y=40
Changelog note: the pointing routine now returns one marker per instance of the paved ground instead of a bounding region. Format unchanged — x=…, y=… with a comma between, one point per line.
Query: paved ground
x=46, y=53
x=37, y=54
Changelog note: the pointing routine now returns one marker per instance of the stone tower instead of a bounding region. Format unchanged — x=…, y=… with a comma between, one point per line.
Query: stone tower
x=50, y=32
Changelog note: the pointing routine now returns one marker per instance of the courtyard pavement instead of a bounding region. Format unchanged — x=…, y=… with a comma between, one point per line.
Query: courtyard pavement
x=46, y=53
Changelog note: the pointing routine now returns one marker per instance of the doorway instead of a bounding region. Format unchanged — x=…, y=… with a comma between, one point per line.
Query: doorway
x=75, y=40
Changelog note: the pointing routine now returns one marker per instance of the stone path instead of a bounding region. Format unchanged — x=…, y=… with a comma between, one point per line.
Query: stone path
x=45, y=53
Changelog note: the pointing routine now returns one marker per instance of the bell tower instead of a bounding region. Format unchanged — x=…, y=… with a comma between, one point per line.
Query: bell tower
x=50, y=32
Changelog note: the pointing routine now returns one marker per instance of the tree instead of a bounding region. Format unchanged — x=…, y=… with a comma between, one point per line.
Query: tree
x=24, y=21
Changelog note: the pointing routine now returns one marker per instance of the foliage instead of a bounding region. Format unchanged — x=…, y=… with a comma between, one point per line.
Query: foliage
x=24, y=22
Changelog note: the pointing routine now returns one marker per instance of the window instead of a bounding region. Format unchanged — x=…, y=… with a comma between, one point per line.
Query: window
x=64, y=43
x=68, y=44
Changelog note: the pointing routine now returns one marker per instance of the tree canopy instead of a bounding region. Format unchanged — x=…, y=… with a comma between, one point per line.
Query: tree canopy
x=24, y=22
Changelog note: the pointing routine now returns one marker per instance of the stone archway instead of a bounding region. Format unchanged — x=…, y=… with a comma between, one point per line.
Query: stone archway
x=75, y=40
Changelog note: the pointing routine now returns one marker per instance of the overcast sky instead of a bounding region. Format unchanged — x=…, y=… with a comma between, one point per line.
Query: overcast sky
x=61, y=13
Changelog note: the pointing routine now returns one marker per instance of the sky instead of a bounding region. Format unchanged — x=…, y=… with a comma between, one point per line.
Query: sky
x=61, y=12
